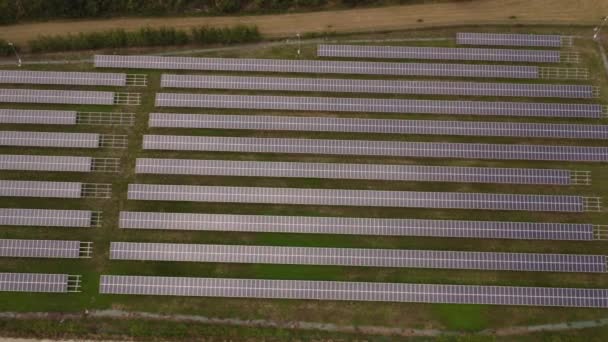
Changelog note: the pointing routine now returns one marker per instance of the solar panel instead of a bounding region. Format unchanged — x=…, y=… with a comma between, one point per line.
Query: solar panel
x=378, y=86
x=369, y=105
x=351, y=171
x=45, y=163
x=14, y=188
x=356, y=226
x=316, y=66
x=63, y=78
x=357, y=257
x=56, y=96
x=45, y=217
x=376, y=148
x=49, y=139
x=353, y=291
x=418, y=127
x=39, y=248
x=539, y=40
x=34, y=282
x=31, y=116
x=362, y=198
x=439, y=53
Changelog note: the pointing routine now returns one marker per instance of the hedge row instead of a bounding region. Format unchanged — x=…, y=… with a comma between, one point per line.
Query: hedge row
x=164, y=36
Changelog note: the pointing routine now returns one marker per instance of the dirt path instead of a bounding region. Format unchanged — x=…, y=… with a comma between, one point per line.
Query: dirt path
x=575, y=12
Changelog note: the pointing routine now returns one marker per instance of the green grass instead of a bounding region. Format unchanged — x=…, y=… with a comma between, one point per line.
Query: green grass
x=467, y=318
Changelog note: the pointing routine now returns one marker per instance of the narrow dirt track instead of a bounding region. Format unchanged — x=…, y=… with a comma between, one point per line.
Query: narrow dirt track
x=567, y=12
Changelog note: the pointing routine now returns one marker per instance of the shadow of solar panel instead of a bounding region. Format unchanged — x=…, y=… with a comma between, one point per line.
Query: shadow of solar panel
x=377, y=148
x=356, y=226
x=14, y=188
x=353, y=291
x=39, y=248
x=316, y=66
x=377, y=86
x=62, y=78
x=538, y=40
x=49, y=139
x=30, y=116
x=44, y=163
x=357, y=257
x=439, y=53
x=351, y=171
x=325, y=124
x=45, y=217
x=56, y=96
x=362, y=105
x=364, y=198
x=33, y=282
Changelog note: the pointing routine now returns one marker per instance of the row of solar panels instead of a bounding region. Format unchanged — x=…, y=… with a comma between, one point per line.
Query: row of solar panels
x=376, y=148
x=63, y=78
x=49, y=218
x=388, y=126
x=379, y=86
x=356, y=226
x=54, y=139
x=510, y=39
x=320, y=66
x=353, y=291
x=357, y=257
x=362, y=198
x=15, y=248
x=68, y=97
x=311, y=290
x=441, y=53
x=16, y=188
x=64, y=117
x=371, y=105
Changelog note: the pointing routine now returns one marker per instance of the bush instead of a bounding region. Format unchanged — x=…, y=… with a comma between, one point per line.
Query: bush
x=5, y=48
x=164, y=36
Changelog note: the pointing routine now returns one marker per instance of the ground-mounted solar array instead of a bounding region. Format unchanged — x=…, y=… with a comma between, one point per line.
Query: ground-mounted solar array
x=377, y=148
x=357, y=257
x=353, y=291
x=39, y=282
x=370, y=105
x=16, y=248
x=378, y=86
x=29, y=116
x=63, y=78
x=417, y=127
x=47, y=217
x=440, y=53
x=353, y=171
x=356, y=226
x=513, y=39
x=363, y=198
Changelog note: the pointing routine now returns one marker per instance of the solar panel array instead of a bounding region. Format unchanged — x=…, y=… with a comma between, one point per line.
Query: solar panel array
x=14, y=188
x=49, y=139
x=352, y=171
x=34, y=282
x=356, y=226
x=357, y=257
x=338, y=104
x=364, y=198
x=56, y=96
x=389, y=126
x=63, y=78
x=31, y=116
x=377, y=148
x=39, y=248
x=316, y=67
x=414, y=52
x=353, y=291
x=45, y=217
x=378, y=86
x=20, y=162
x=539, y=40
